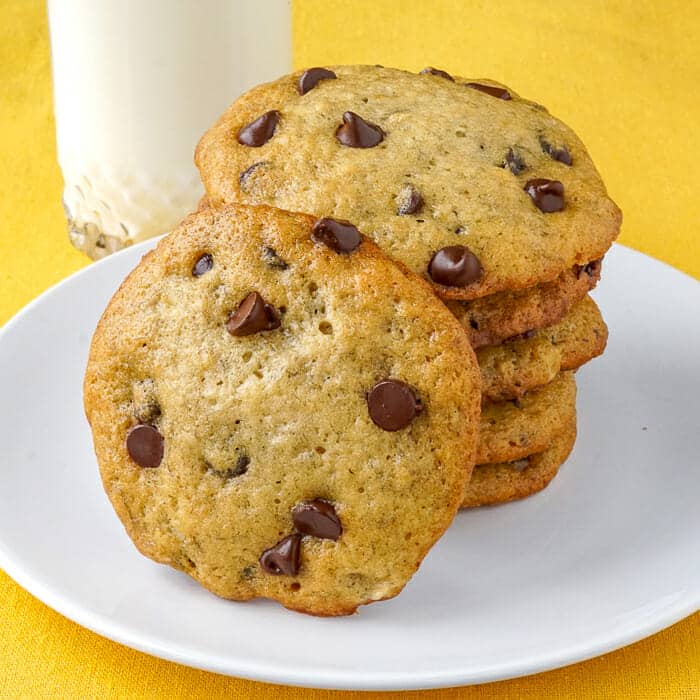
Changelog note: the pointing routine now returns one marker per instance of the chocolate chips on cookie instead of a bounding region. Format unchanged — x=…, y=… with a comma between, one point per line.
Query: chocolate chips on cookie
x=548, y=195
x=311, y=78
x=292, y=455
x=355, y=132
x=203, y=264
x=145, y=445
x=260, y=131
x=247, y=176
x=393, y=404
x=436, y=71
x=514, y=162
x=253, y=315
x=437, y=135
x=319, y=402
x=455, y=266
x=317, y=518
x=283, y=558
x=340, y=236
x=561, y=154
x=492, y=90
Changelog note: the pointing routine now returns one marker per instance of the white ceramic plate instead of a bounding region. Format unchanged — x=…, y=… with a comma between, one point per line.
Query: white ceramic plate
x=606, y=555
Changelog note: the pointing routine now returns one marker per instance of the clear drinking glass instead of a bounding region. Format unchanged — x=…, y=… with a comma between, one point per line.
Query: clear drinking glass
x=136, y=83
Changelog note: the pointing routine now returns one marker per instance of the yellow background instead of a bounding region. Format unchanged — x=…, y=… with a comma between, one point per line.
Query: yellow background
x=624, y=74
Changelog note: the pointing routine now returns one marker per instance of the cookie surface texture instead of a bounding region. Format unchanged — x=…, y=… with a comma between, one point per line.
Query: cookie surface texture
x=278, y=417
x=475, y=191
x=491, y=320
x=511, y=369
x=510, y=430
x=499, y=483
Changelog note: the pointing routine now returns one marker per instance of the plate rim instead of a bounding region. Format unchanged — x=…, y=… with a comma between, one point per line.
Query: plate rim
x=106, y=626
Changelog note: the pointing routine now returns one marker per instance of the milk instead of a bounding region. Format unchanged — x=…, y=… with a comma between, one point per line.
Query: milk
x=136, y=83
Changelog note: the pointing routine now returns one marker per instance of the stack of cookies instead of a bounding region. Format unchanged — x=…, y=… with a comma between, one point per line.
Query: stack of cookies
x=481, y=193
x=292, y=405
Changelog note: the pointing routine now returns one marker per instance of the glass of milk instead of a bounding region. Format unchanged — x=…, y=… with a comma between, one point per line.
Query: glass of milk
x=136, y=83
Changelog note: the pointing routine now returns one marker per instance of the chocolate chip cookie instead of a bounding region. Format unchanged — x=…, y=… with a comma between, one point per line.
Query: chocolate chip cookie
x=279, y=411
x=492, y=319
x=511, y=369
x=511, y=430
x=472, y=187
x=498, y=483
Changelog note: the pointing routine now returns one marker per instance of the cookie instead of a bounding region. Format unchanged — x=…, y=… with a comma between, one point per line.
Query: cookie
x=498, y=317
x=280, y=412
x=498, y=483
x=581, y=336
x=511, y=369
x=514, y=429
x=472, y=187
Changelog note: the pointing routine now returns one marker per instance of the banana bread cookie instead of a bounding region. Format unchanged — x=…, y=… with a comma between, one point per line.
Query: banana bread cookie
x=472, y=187
x=498, y=483
x=513, y=429
x=491, y=320
x=281, y=412
x=511, y=369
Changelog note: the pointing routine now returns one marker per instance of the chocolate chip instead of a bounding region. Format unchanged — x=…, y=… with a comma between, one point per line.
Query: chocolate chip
x=357, y=133
x=514, y=162
x=455, y=266
x=409, y=200
x=253, y=314
x=521, y=336
x=317, y=518
x=283, y=558
x=260, y=131
x=310, y=79
x=145, y=445
x=435, y=71
x=273, y=259
x=492, y=90
x=592, y=269
x=240, y=468
x=339, y=235
x=242, y=464
x=244, y=179
x=561, y=154
x=548, y=195
x=203, y=264
x=393, y=404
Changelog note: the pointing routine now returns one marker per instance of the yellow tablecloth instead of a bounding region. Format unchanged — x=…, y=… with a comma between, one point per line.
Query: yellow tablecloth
x=625, y=74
